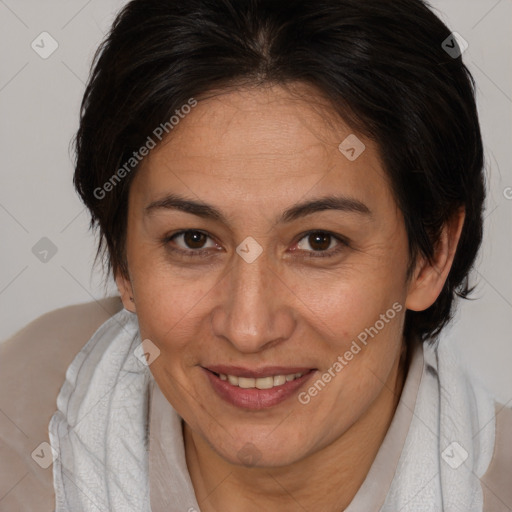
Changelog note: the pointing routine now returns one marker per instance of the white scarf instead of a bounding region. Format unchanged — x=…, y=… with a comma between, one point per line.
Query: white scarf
x=450, y=442
x=100, y=432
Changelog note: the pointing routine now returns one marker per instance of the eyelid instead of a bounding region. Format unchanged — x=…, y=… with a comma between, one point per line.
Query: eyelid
x=342, y=244
x=192, y=252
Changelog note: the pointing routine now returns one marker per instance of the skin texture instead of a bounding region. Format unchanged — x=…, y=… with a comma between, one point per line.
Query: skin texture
x=252, y=153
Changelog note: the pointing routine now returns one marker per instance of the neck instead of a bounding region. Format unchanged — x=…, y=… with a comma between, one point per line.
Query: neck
x=327, y=480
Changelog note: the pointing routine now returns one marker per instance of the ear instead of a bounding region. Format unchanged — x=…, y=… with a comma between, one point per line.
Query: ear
x=429, y=278
x=124, y=285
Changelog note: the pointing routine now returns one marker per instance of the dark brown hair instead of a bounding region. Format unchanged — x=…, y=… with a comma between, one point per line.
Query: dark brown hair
x=382, y=64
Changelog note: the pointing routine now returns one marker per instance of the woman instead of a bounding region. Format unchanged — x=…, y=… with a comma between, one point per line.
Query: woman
x=289, y=195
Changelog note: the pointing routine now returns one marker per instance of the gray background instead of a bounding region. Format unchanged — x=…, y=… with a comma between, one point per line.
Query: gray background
x=39, y=101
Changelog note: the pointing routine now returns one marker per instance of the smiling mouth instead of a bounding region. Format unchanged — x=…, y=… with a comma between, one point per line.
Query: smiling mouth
x=269, y=382
x=256, y=389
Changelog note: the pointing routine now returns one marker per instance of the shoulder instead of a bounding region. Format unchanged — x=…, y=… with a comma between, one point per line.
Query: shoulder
x=497, y=481
x=33, y=366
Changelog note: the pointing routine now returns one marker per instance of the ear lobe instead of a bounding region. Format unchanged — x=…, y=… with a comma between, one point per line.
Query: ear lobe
x=124, y=286
x=429, y=277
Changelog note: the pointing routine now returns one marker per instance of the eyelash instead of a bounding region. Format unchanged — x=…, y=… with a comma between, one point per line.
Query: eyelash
x=343, y=244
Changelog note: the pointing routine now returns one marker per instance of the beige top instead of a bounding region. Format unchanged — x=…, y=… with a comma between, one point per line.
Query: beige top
x=33, y=365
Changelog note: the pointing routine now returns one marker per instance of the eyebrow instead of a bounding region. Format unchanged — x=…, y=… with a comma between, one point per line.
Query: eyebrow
x=207, y=211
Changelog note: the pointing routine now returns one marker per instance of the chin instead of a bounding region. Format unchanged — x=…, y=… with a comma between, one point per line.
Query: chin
x=260, y=450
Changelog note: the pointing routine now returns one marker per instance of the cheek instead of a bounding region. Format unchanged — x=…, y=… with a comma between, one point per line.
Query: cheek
x=357, y=318
x=341, y=305
x=359, y=330
x=170, y=307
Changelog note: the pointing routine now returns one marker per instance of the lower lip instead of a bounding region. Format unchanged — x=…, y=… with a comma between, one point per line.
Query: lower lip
x=254, y=398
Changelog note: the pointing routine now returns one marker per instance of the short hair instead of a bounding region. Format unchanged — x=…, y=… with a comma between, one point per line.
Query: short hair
x=383, y=65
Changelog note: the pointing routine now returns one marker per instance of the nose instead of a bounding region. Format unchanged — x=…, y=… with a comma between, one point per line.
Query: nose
x=255, y=309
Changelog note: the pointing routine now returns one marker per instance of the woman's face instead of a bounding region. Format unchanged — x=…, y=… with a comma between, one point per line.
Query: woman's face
x=261, y=285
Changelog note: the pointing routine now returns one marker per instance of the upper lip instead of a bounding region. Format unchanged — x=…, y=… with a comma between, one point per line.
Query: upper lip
x=239, y=371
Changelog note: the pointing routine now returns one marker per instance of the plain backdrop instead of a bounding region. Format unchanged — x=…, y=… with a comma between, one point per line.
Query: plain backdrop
x=39, y=102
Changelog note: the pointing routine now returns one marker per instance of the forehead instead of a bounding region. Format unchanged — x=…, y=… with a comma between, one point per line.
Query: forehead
x=262, y=145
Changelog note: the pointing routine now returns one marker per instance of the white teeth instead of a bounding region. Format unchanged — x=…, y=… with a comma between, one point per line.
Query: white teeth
x=279, y=380
x=261, y=382
x=246, y=382
x=265, y=383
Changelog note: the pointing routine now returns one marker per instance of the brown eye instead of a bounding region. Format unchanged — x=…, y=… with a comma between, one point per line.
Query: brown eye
x=321, y=244
x=190, y=241
x=318, y=241
x=194, y=239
